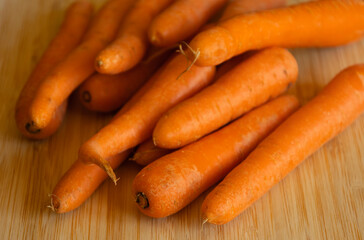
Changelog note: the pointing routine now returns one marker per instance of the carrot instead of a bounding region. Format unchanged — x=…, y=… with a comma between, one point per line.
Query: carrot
x=147, y=152
x=181, y=20
x=79, y=182
x=77, y=66
x=106, y=93
x=170, y=183
x=329, y=113
x=128, y=49
x=313, y=24
x=74, y=25
x=265, y=75
x=237, y=7
x=134, y=123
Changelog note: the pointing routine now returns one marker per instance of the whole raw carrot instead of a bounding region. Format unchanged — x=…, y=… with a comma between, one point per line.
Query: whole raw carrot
x=265, y=75
x=329, y=113
x=128, y=49
x=134, y=123
x=79, y=182
x=78, y=65
x=74, y=25
x=147, y=152
x=181, y=20
x=312, y=24
x=175, y=180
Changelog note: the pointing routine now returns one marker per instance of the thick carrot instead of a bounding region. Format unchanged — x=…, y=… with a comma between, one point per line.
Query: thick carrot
x=265, y=75
x=237, y=7
x=131, y=44
x=106, y=93
x=79, y=182
x=181, y=20
x=78, y=65
x=170, y=183
x=134, y=123
x=147, y=152
x=70, y=34
x=313, y=24
x=329, y=113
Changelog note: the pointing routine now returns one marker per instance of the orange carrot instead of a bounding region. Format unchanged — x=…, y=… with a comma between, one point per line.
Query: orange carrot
x=131, y=44
x=265, y=75
x=70, y=34
x=79, y=182
x=134, y=124
x=147, y=152
x=170, y=183
x=181, y=20
x=237, y=7
x=78, y=65
x=106, y=93
x=313, y=24
x=329, y=113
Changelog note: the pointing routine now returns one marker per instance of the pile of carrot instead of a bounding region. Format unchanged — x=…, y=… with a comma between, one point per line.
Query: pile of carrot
x=199, y=88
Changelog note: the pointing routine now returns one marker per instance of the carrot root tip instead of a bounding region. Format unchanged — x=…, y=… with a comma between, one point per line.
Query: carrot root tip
x=195, y=53
x=32, y=128
x=108, y=169
x=55, y=202
x=86, y=96
x=142, y=200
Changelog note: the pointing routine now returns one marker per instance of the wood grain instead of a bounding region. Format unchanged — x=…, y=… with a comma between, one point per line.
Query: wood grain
x=322, y=199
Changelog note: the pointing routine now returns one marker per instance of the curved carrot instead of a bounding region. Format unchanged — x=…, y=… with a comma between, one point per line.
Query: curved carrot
x=131, y=44
x=135, y=125
x=329, y=113
x=266, y=74
x=181, y=20
x=170, y=183
x=147, y=152
x=78, y=65
x=312, y=24
x=79, y=182
x=106, y=93
x=237, y=7
x=74, y=25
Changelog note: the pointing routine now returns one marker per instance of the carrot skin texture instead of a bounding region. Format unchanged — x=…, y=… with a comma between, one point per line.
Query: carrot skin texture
x=135, y=122
x=175, y=180
x=265, y=75
x=79, y=182
x=74, y=26
x=128, y=49
x=181, y=20
x=323, y=23
x=106, y=93
x=147, y=153
x=304, y=132
x=78, y=65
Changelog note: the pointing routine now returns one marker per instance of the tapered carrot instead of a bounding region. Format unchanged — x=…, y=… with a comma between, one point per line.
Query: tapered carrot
x=237, y=7
x=134, y=123
x=70, y=34
x=313, y=24
x=263, y=76
x=175, y=180
x=147, y=152
x=131, y=44
x=78, y=65
x=329, y=113
x=79, y=182
x=105, y=93
x=181, y=20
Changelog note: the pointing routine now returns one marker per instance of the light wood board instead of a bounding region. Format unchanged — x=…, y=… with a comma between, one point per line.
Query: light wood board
x=322, y=199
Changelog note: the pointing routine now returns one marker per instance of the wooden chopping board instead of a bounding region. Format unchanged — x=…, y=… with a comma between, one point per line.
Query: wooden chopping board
x=322, y=199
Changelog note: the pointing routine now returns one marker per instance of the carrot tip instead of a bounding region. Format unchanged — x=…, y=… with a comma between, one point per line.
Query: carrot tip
x=196, y=54
x=99, y=63
x=86, y=96
x=32, y=128
x=142, y=200
x=54, y=205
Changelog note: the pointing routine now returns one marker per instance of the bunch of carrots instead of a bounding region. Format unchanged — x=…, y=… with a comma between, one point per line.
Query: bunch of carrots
x=200, y=87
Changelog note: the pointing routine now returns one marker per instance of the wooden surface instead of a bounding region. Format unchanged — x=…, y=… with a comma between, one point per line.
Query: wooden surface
x=322, y=199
